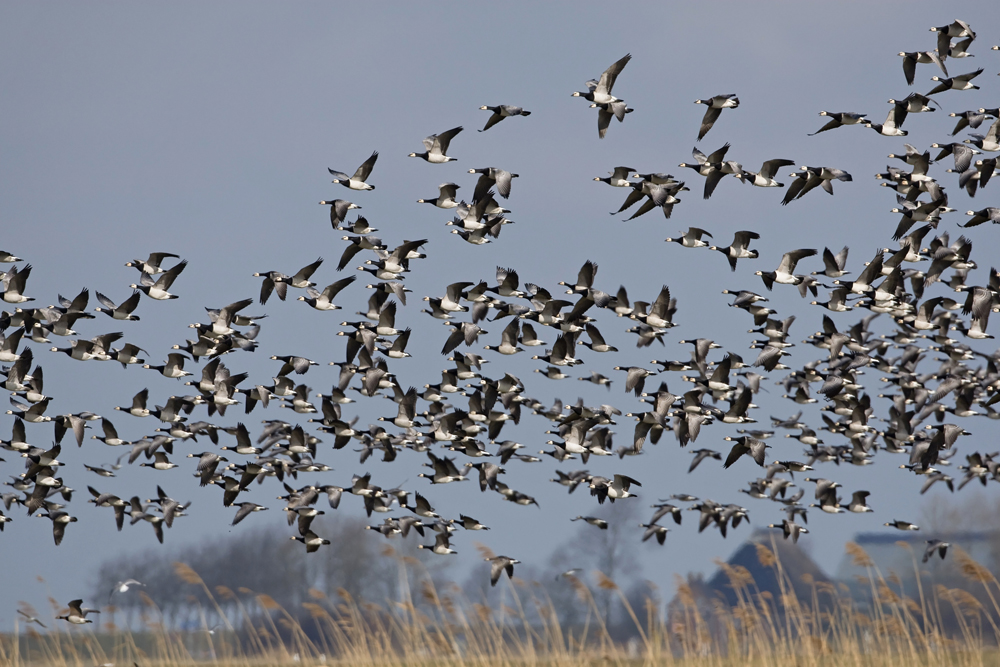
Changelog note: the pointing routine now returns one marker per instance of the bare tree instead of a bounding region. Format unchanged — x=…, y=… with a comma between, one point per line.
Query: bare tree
x=612, y=551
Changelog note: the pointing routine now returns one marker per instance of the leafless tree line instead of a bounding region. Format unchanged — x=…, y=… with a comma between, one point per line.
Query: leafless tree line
x=241, y=567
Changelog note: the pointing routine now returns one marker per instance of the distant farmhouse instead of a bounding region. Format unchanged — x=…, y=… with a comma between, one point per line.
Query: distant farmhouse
x=892, y=559
x=766, y=567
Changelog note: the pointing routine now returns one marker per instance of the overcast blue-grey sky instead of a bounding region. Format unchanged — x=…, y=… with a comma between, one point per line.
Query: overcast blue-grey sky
x=206, y=129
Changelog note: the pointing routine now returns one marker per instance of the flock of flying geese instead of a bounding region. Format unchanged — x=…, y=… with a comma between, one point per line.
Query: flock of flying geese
x=893, y=283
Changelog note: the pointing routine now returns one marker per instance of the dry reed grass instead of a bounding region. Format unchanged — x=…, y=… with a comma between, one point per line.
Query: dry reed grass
x=830, y=629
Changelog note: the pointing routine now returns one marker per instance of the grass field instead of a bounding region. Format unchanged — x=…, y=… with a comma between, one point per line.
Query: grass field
x=439, y=626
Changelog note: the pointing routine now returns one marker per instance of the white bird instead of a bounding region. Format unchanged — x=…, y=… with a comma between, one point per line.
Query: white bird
x=123, y=586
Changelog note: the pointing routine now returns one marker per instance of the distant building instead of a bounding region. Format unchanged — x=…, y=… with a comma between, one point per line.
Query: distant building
x=890, y=557
x=754, y=559
x=797, y=565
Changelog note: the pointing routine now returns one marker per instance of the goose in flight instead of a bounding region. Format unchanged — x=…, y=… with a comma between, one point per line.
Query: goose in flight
x=972, y=118
x=606, y=112
x=892, y=127
x=810, y=177
x=445, y=198
x=357, y=181
x=839, y=118
x=765, y=177
x=691, y=238
x=152, y=264
x=338, y=210
x=715, y=106
x=599, y=91
x=498, y=565
x=938, y=546
x=960, y=82
x=157, y=289
x=739, y=248
x=746, y=445
x=324, y=300
x=957, y=28
x=784, y=274
x=615, y=489
x=312, y=541
x=122, y=311
x=654, y=530
x=13, y=285
x=436, y=146
x=278, y=282
x=833, y=264
x=990, y=142
x=500, y=112
x=441, y=545
x=790, y=528
x=77, y=615
x=902, y=525
x=911, y=58
x=913, y=103
x=618, y=178
x=489, y=177
x=713, y=167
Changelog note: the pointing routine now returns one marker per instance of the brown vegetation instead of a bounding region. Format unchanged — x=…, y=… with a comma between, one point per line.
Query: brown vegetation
x=435, y=624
